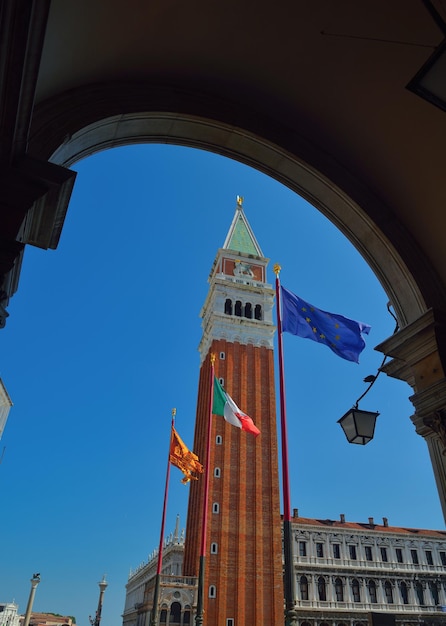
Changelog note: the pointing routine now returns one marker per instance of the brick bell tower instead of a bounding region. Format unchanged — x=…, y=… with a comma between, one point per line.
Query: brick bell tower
x=243, y=584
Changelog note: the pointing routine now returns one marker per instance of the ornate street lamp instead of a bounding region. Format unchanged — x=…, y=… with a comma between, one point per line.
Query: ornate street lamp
x=358, y=426
x=96, y=620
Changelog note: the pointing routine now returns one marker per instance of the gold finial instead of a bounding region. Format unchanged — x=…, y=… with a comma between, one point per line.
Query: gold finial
x=212, y=359
x=174, y=412
x=240, y=201
x=277, y=269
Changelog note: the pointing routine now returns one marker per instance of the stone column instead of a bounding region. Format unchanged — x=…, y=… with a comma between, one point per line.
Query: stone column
x=419, y=358
x=35, y=580
x=441, y=592
x=348, y=590
x=331, y=589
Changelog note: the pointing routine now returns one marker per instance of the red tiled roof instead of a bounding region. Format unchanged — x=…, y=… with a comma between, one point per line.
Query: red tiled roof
x=438, y=534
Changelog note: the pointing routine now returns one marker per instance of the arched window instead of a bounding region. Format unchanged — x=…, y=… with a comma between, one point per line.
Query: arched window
x=420, y=593
x=339, y=590
x=214, y=548
x=388, y=591
x=186, y=616
x=212, y=591
x=305, y=624
x=218, y=440
x=303, y=583
x=222, y=356
x=215, y=508
x=372, y=591
x=163, y=616
x=404, y=594
x=258, y=312
x=175, y=613
x=434, y=592
x=356, y=590
x=228, y=306
x=248, y=310
x=238, y=308
x=321, y=589
x=217, y=472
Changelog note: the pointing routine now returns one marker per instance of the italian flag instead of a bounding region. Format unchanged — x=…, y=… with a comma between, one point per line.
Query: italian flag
x=225, y=406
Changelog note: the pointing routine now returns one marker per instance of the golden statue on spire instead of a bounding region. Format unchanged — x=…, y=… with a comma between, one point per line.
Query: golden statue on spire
x=240, y=201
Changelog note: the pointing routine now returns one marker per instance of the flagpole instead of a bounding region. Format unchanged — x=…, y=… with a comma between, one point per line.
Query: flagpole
x=154, y=612
x=200, y=603
x=289, y=578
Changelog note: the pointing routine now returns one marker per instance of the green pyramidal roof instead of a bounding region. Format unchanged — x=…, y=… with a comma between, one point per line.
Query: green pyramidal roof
x=240, y=237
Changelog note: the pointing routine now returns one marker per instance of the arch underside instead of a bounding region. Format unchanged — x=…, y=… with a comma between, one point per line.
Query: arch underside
x=98, y=117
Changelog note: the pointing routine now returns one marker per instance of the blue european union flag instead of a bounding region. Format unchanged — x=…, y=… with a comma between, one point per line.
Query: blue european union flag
x=340, y=334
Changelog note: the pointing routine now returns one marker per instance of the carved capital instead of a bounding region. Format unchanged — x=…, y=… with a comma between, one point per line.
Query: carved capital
x=430, y=410
x=418, y=357
x=437, y=423
x=418, y=351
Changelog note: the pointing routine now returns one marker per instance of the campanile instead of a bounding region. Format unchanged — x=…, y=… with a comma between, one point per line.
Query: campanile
x=243, y=583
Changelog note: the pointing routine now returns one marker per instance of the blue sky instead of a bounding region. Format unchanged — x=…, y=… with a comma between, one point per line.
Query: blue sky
x=101, y=344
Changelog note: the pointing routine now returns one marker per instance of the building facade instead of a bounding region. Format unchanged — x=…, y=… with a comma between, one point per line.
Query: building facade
x=345, y=572
x=48, y=619
x=177, y=593
x=9, y=614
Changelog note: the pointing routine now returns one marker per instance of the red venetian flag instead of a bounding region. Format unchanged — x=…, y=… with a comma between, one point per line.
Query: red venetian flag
x=183, y=458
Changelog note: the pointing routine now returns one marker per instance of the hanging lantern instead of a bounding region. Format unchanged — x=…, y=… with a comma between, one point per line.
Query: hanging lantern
x=358, y=426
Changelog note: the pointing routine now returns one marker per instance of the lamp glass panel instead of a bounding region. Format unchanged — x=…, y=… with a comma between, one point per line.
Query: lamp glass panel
x=349, y=426
x=365, y=423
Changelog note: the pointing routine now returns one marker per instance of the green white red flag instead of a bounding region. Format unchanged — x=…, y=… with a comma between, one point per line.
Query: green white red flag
x=225, y=406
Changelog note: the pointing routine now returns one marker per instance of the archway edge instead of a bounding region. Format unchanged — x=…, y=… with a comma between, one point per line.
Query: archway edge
x=81, y=122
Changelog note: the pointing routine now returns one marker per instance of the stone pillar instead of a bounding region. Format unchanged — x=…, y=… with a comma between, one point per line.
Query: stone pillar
x=331, y=589
x=379, y=591
x=418, y=354
x=35, y=580
x=348, y=589
x=441, y=592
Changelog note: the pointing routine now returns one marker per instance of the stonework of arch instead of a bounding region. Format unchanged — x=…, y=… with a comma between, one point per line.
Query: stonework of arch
x=101, y=116
x=98, y=117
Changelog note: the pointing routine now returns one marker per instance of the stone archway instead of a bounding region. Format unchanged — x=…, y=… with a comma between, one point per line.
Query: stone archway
x=89, y=119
